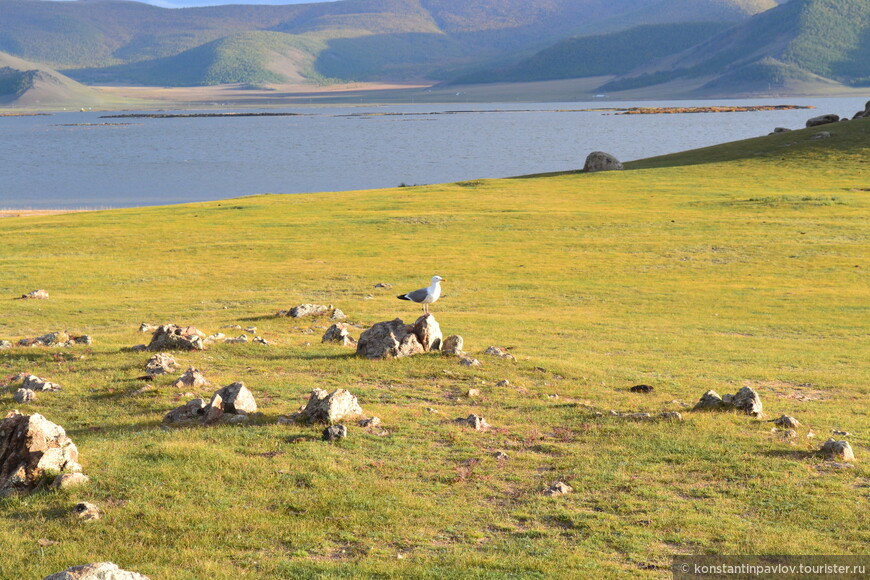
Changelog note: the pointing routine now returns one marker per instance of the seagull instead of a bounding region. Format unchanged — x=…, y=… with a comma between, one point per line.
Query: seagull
x=425, y=296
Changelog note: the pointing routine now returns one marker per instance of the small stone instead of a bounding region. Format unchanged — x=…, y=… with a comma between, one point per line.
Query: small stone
x=326, y=407
x=642, y=389
x=5, y=344
x=821, y=135
x=306, y=310
x=790, y=434
x=786, y=422
x=213, y=338
x=191, y=379
x=160, y=364
x=261, y=340
x=503, y=383
x=477, y=422
x=337, y=314
x=192, y=410
x=67, y=480
x=36, y=295
x=241, y=339
x=558, y=488
x=747, y=401
x=670, y=416
x=339, y=332
x=370, y=422
x=452, y=345
x=174, y=337
x=383, y=285
x=334, y=432
x=841, y=433
x=838, y=450
x=251, y=329
x=469, y=361
x=499, y=352
x=143, y=389
x=144, y=327
x=87, y=511
x=24, y=396
x=709, y=401
x=473, y=393
x=501, y=456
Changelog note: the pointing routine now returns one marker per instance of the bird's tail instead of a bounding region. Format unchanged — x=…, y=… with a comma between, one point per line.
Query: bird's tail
x=403, y=297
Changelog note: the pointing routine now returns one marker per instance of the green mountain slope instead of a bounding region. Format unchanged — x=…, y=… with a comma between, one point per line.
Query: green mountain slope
x=804, y=39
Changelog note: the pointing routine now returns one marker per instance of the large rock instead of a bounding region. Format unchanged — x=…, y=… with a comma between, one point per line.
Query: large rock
x=234, y=398
x=601, y=161
x=452, y=345
x=32, y=448
x=838, y=450
x=710, y=401
x=304, y=310
x=338, y=332
x=160, y=364
x=428, y=332
x=97, y=571
x=747, y=401
x=864, y=113
x=174, y=337
x=34, y=383
x=326, y=407
x=24, y=396
x=823, y=120
x=391, y=339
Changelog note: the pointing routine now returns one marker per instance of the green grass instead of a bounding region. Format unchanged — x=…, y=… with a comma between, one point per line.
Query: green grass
x=738, y=265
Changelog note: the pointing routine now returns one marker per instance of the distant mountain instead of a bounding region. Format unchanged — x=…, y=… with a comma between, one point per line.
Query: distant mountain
x=798, y=44
x=28, y=84
x=112, y=41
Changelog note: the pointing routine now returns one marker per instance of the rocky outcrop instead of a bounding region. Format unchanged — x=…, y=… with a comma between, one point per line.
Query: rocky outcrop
x=746, y=400
x=863, y=114
x=329, y=408
x=59, y=338
x=334, y=433
x=339, y=333
x=499, y=352
x=234, y=398
x=22, y=396
x=33, y=448
x=174, y=337
x=97, y=571
x=160, y=364
x=428, y=332
x=391, y=339
x=452, y=345
x=823, y=120
x=35, y=295
x=786, y=422
x=304, y=310
x=601, y=161
x=838, y=450
x=190, y=411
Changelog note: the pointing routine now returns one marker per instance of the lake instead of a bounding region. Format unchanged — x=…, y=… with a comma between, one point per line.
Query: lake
x=74, y=160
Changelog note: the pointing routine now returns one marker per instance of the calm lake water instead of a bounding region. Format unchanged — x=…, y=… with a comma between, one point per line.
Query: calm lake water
x=83, y=160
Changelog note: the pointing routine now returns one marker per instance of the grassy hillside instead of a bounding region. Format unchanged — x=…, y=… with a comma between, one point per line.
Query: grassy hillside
x=28, y=84
x=738, y=265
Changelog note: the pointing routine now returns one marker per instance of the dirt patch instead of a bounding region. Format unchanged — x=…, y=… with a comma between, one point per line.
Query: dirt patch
x=784, y=390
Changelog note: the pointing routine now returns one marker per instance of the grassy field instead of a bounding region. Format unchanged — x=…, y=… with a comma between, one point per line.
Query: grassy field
x=743, y=264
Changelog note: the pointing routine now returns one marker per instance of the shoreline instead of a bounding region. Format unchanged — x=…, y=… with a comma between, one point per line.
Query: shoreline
x=13, y=213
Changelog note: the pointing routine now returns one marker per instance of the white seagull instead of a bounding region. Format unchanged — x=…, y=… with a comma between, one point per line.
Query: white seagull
x=425, y=296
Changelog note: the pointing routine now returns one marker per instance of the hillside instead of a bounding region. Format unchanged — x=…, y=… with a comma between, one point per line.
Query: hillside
x=114, y=42
x=794, y=43
x=28, y=84
x=740, y=266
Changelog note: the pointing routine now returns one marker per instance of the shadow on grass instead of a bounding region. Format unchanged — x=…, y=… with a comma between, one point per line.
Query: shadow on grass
x=790, y=454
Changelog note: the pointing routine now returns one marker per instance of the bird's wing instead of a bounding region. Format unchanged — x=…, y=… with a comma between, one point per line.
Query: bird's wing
x=418, y=295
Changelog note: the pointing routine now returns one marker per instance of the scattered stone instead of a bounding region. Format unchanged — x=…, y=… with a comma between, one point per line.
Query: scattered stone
x=174, y=337
x=145, y=327
x=642, y=389
x=241, y=339
x=469, y=362
x=31, y=448
x=780, y=130
x=24, y=396
x=503, y=383
x=232, y=327
x=370, y=422
x=838, y=450
x=87, y=511
x=160, y=364
x=191, y=379
x=142, y=390
x=326, y=407
x=139, y=348
x=786, y=422
x=601, y=161
x=501, y=456
x=35, y=295
x=383, y=285
x=790, y=434
x=558, y=488
x=670, y=416
x=822, y=120
x=251, y=329
x=261, y=340
x=452, y=345
x=97, y=571
x=821, y=135
x=337, y=314
x=841, y=433
x=391, y=339
x=190, y=411
x=59, y=338
x=67, y=480
x=339, y=333
x=213, y=338
x=34, y=383
x=334, y=432
x=473, y=393
x=304, y=310
x=499, y=352
x=477, y=422
x=746, y=400
x=5, y=344
x=428, y=332
x=234, y=398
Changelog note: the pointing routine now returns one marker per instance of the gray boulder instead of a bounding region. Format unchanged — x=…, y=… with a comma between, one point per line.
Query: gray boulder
x=31, y=448
x=191, y=379
x=601, y=161
x=786, y=422
x=160, y=364
x=838, y=450
x=190, y=411
x=174, y=337
x=97, y=571
x=747, y=401
x=391, y=339
x=304, y=310
x=339, y=333
x=823, y=120
x=35, y=383
x=236, y=399
x=452, y=345
x=22, y=396
x=334, y=432
x=710, y=401
x=329, y=408
x=428, y=332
